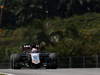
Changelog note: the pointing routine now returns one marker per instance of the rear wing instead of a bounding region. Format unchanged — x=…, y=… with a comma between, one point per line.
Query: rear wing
x=30, y=47
x=26, y=46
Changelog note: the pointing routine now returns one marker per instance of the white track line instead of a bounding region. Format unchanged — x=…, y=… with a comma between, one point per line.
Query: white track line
x=6, y=73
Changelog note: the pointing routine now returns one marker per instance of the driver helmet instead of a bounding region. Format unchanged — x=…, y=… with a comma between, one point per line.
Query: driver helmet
x=34, y=50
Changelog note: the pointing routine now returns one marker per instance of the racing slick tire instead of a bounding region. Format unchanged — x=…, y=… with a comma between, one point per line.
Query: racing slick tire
x=53, y=60
x=11, y=60
x=15, y=61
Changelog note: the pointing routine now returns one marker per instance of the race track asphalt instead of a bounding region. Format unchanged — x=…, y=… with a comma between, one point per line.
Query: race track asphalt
x=68, y=71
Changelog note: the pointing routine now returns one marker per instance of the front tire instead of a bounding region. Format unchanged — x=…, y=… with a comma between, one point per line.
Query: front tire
x=11, y=61
x=53, y=60
x=15, y=61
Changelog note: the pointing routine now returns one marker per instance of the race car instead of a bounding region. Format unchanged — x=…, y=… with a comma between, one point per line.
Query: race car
x=35, y=57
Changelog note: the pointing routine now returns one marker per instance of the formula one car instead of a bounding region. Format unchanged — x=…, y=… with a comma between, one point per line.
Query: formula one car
x=33, y=58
